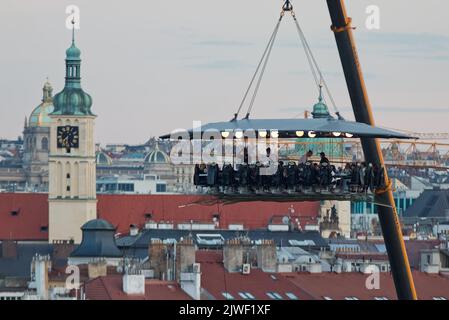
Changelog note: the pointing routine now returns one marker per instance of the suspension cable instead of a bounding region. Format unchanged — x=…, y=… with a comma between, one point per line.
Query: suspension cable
x=267, y=48
x=256, y=90
x=316, y=71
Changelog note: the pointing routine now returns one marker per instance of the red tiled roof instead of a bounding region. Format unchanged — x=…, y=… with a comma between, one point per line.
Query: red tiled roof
x=216, y=281
x=339, y=286
x=309, y=286
x=32, y=214
x=111, y=288
x=123, y=210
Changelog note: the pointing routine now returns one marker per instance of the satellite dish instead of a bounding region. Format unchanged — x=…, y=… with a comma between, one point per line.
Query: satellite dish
x=285, y=219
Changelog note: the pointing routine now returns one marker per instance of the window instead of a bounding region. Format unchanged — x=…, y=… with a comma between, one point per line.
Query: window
x=274, y=295
x=227, y=296
x=127, y=187
x=68, y=175
x=44, y=143
x=15, y=212
x=439, y=298
x=161, y=187
x=44, y=228
x=246, y=296
x=351, y=298
x=380, y=298
x=291, y=296
x=68, y=188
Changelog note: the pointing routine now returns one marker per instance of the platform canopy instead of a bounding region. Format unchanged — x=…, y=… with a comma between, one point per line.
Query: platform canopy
x=293, y=128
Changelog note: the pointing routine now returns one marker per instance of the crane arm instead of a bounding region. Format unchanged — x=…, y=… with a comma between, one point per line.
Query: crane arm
x=391, y=228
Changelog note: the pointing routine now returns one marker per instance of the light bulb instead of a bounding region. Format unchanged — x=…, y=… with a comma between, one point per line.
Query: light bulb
x=262, y=133
x=336, y=134
x=274, y=133
x=238, y=134
x=312, y=134
x=299, y=133
x=225, y=134
x=349, y=135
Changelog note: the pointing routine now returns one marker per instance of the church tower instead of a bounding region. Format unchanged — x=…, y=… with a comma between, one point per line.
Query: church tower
x=36, y=134
x=72, y=171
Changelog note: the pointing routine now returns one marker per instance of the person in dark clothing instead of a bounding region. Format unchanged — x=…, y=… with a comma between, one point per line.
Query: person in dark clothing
x=323, y=158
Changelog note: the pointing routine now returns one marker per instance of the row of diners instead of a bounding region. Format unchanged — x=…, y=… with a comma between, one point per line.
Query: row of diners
x=290, y=177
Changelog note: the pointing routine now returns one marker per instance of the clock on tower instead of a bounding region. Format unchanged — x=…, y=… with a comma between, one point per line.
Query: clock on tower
x=67, y=137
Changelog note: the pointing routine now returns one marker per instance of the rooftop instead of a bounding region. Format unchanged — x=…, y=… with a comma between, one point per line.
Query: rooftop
x=111, y=288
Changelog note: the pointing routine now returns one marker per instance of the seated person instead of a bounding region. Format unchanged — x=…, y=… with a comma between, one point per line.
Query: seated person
x=323, y=159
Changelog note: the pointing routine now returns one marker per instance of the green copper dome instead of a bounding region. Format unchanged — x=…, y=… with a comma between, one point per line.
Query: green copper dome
x=72, y=100
x=73, y=52
x=320, y=109
x=39, y=117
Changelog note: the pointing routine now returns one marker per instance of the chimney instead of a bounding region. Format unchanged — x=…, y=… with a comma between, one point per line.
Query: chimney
x=266, y=256
x=159, y=256
x=97, y=268
x=133, y=230
x=9, y=249
x=134, y=284
x=185, y=256
x=191, y=281
x=63, y=248
x=233, y=251
x=42, y=265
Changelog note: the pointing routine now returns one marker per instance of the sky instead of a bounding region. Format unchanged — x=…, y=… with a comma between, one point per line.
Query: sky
x=155, y=66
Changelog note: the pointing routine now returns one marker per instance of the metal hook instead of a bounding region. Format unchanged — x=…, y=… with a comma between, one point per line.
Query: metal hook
x=287, y=6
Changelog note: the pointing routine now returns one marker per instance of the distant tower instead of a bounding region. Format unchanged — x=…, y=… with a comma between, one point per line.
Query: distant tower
x=320, y=109
x=36, y=137
x=72, y=192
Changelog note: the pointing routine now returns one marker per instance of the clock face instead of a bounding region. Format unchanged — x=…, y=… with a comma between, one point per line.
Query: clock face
x=68, y=137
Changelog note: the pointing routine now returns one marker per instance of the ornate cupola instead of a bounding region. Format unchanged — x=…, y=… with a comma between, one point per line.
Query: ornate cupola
x=72, y=100
x=320, y=109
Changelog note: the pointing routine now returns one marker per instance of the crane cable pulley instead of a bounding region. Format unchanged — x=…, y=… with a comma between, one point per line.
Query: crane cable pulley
x=316, y=72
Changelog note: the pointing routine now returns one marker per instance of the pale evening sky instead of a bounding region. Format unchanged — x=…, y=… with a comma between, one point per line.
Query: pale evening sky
x=153, y=66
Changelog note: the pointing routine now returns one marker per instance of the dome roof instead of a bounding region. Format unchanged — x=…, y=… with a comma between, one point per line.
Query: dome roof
x=157, y=156
x=72, y=101
x=98, y=241
x=97, y=224
x=320, y=109
x=103, y=158
x=73, y=53
x=39, y=117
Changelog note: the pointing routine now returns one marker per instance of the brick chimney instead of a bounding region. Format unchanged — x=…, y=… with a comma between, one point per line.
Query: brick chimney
x=159, y=253
x=233, y=254
x=185, y=256
x=63, y=248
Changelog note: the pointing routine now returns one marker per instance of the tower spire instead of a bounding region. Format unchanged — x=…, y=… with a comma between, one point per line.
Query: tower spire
x=73, y=30
x=320, y=109
x=320, y=97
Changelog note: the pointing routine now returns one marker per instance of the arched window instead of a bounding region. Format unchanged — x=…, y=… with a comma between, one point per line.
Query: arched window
x=44, y=143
